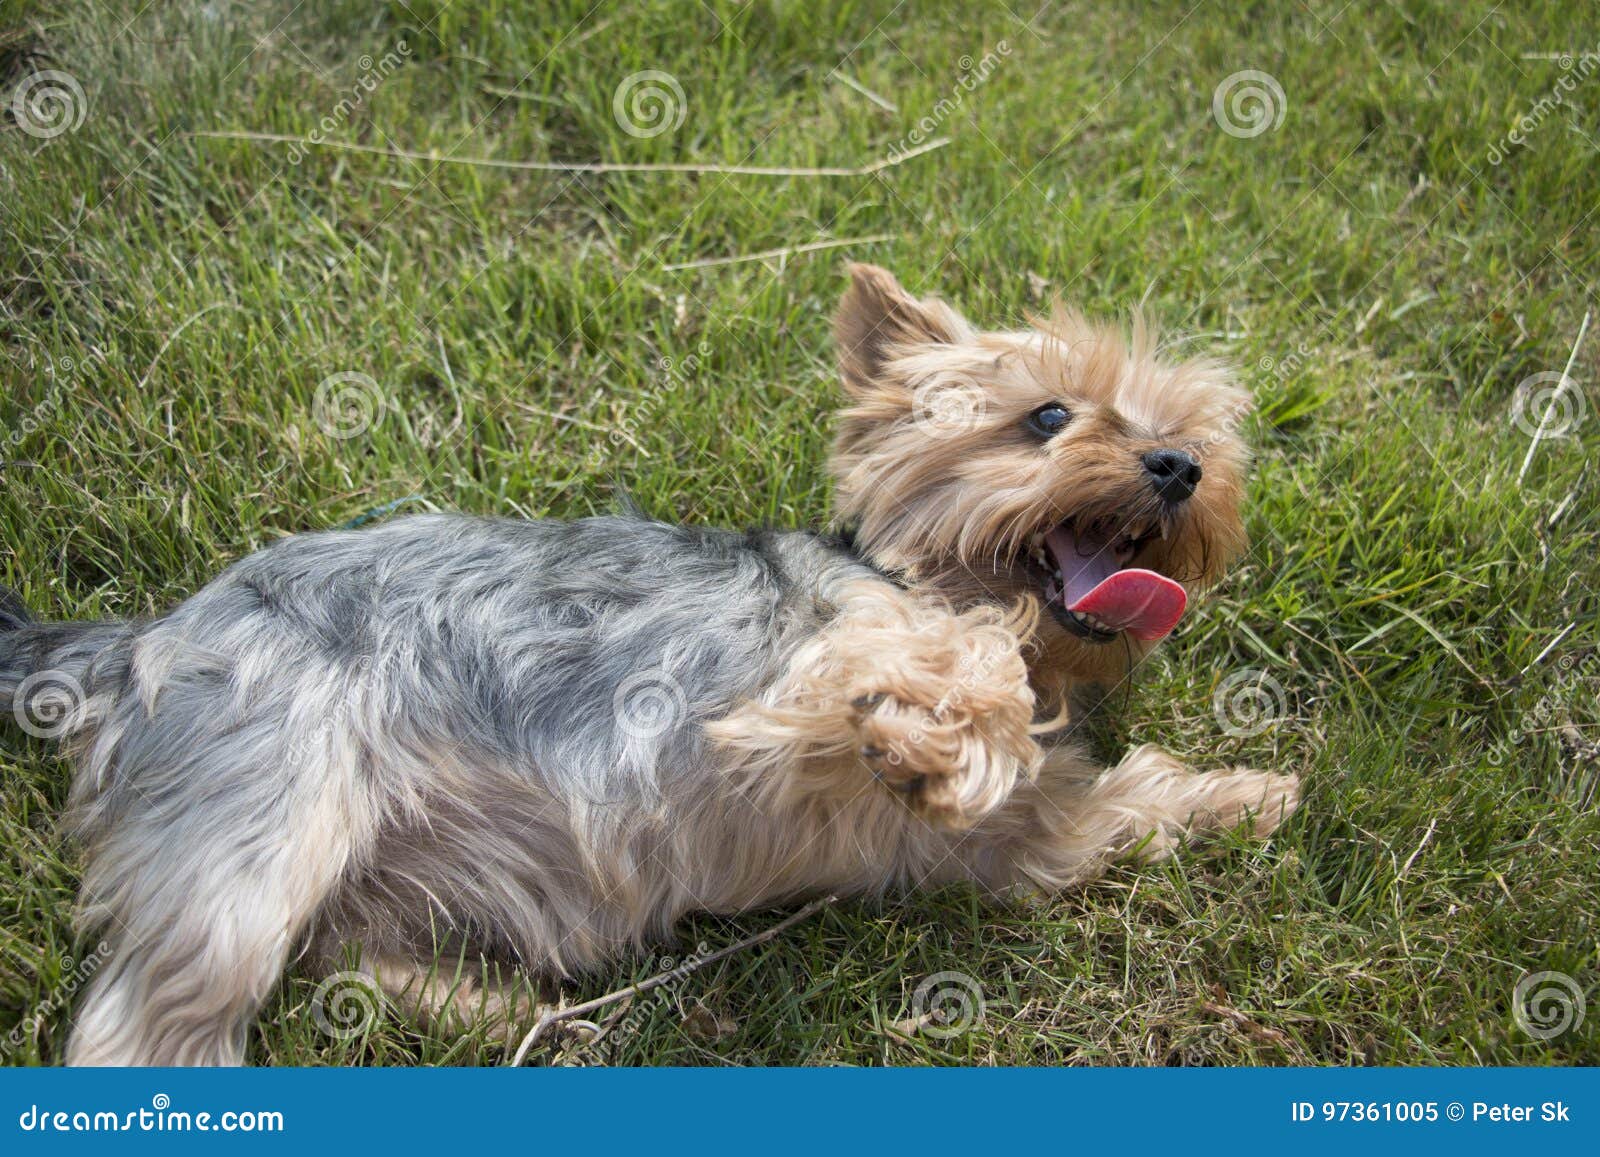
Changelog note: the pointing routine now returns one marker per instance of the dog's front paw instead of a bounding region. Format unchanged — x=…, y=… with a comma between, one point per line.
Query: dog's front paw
x=952, y=764
x=1255, y=800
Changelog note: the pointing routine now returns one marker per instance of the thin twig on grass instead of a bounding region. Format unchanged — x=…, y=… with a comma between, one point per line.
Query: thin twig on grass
x=850, y=82
x=1544, y=418
x=785, y=252
x=1433, y=826
x=877, y=166
x=660, y=978
x=1550, y=646
x=173, y=336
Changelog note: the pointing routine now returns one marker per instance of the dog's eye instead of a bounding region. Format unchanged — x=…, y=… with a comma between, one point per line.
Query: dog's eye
x=1049, y=420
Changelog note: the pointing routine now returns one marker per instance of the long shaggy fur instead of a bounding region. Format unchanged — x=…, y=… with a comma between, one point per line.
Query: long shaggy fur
x=541, y=742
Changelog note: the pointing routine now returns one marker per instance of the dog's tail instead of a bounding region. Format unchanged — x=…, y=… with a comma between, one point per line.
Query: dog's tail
x=47, y=669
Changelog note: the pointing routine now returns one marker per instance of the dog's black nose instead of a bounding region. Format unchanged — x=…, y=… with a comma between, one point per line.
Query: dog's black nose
x=1173, y=473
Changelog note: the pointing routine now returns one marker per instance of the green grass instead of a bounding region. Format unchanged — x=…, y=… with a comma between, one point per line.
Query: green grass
x=170, y=303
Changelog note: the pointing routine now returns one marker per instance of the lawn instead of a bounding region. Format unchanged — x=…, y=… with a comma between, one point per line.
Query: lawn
x=1389, y=226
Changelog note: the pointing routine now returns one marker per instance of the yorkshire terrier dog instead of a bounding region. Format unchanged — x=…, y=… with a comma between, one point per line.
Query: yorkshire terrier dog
x=540, y=743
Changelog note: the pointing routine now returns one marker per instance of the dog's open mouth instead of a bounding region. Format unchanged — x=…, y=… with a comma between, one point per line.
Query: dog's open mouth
x=1092, y=590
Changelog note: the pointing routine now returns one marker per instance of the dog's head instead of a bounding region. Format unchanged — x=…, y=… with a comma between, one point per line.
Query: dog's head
x=1066, y=462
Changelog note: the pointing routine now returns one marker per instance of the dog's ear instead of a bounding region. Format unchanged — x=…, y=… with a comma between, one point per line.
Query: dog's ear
x=877, y=316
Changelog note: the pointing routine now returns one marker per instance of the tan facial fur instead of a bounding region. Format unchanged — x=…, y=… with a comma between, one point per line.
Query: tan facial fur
x=938, y=473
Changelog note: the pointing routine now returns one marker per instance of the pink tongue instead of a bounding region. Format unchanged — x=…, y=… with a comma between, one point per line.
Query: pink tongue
x=1145, y=604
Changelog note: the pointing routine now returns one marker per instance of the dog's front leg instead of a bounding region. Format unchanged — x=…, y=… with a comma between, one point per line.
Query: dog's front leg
x=933, y=705
x=1076, y=818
